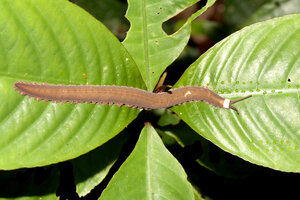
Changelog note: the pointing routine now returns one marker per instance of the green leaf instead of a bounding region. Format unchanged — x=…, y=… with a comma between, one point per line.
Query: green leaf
x=90, y=169
x=180, y=133
x=262, y=60
x=150, y=172
x=152, y=49
x=44, y=41
x=168, y=118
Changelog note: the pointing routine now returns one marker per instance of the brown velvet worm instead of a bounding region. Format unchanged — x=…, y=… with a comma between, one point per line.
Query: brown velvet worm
x=122, y=95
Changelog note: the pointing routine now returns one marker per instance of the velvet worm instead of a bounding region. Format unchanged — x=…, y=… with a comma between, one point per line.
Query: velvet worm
x=122, y=95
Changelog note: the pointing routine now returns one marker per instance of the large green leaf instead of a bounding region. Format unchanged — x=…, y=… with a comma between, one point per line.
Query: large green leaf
x=152, y=49
x=262, y=60
x=57, y=42
x=150, y=172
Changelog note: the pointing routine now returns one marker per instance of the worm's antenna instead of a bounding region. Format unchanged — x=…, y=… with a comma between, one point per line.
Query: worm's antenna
x=241, y=99
x=234, y=108
x=235, y=101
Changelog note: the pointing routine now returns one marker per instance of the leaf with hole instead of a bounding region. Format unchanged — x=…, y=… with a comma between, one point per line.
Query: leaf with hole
x=152, y=49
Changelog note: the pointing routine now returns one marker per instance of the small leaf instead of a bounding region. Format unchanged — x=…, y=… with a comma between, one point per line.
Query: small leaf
x=168, y=118
x=180, y=133
x=152, y=49
x=150, y=172
x=262, y=60
x=90, y=169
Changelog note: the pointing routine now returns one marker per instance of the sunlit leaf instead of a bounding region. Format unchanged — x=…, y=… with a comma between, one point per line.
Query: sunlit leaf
x=44, y=41
x=262, y=60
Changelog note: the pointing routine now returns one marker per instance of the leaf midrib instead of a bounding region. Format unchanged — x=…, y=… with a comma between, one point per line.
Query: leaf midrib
x=263, y=92
x=148, y=162
x=145, y=41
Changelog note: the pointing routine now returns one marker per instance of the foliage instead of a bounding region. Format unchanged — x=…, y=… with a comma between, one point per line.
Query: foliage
x=59, y=43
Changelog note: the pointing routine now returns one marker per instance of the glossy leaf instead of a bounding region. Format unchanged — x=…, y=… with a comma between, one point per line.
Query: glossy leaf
x=44, y=41
x=152, y=49
x=150, y=172
x=262, y=60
